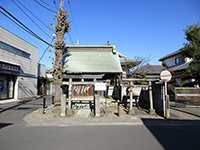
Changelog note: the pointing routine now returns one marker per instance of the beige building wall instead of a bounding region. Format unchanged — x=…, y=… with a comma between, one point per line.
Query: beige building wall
x=27, y=78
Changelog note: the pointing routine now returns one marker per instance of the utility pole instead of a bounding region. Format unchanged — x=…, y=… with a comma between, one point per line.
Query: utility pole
x=61, y=28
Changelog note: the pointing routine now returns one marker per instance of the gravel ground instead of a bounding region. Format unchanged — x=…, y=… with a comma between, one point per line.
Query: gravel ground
x=52, y=117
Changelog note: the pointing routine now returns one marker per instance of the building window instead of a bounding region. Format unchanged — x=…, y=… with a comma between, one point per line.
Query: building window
x=179, y=60
x=14, y=50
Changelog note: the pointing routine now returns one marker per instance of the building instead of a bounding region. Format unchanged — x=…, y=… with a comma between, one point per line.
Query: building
x=86, y=65
x=152, y=71
x=41, y=79
x=176, y=63
x=50, y=83
x=18, y=67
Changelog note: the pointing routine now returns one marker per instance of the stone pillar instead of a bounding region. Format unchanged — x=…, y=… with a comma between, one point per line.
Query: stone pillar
x=70, y=93
x=131, y=111
x=167, y=107
x=151, y=110
x=63, y=105
x=69, y=110
x=122, y=91
x=131, y=95
x=97, y=105
x=121, y=112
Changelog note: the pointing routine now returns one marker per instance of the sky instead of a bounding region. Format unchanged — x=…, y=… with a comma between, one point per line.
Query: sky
x=139, y=28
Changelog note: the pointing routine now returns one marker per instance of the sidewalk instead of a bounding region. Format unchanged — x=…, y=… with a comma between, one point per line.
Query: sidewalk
x=9, y=101
x=184, y=112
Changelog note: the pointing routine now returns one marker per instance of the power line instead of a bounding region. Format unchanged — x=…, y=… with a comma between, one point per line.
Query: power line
x=55, y=5
x=48, y=4
x=29, y=33
x=73, y=18
x=34, y=15
x=45, y=51
x=44, y=6
x=15, y=22
x=70, y=37
x=21, y=28
x=31, y=19
x=24, y=27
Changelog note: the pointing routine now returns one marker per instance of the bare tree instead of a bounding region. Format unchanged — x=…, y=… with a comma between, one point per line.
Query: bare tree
x=61, y=28
x=141, y=69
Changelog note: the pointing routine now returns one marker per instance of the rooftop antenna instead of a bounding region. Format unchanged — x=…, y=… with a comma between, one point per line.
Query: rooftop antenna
x=77, y=43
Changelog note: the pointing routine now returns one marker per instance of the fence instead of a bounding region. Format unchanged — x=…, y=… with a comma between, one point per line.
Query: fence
x=158, y=99
x=187, y=95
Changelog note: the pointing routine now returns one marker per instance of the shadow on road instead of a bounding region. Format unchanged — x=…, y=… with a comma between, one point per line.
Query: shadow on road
x=19, y=104
x=2, y=125
x=182, y=110
x=175, y=134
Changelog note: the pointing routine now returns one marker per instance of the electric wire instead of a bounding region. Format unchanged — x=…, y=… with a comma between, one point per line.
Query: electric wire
x=35, y=16
x=73, y=19
x=48, y=4
x=45, y=51
x=30, y=33
x=44, y=6
x=21, y=28
x=24, y=27
x=31, y=19
x=70, y=38
x=16, y=23
x=55, y=5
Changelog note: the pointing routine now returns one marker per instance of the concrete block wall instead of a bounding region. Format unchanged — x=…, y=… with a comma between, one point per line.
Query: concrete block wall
x=158, y=97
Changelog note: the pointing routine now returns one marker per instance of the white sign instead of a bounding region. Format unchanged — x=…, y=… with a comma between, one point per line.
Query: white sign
x=100, y=86
x=165, y=76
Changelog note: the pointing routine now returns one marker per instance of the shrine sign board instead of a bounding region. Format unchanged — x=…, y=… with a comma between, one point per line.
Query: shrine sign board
x=100, y=86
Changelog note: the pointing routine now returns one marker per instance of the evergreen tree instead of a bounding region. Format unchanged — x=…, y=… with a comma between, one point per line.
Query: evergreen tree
x=191, y=49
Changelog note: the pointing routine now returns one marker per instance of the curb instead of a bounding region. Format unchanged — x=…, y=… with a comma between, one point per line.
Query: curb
x=9, y=101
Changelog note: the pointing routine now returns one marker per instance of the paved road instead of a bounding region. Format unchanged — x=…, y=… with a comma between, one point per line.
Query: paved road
x=15, y=134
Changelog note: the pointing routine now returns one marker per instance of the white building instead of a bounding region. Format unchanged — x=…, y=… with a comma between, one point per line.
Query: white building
x=176, y=64
x=18, y=67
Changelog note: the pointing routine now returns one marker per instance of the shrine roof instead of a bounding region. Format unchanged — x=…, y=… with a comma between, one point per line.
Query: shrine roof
x=92, y=59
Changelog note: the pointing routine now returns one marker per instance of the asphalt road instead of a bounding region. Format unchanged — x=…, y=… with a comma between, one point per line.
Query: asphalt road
x=16, y=135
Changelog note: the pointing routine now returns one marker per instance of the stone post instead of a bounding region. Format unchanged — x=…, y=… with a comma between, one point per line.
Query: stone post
x=69, y=110
x=167, y=107
x=131, y=111
x=131, y=95
x=97, y=105
x=70, y=93
x=121, y=112
x=63, y=105
x=151, y=111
